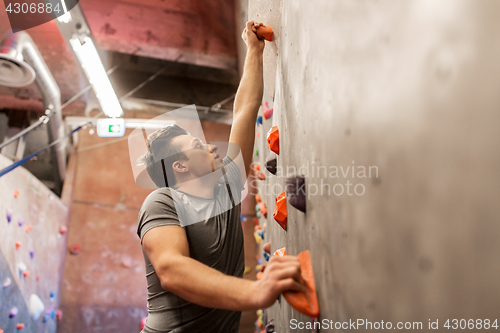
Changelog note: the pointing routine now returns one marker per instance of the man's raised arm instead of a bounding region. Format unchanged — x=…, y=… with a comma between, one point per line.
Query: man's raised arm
x=248, y=97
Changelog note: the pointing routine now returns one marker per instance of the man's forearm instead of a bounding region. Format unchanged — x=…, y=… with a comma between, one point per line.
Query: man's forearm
x=249, y=94
x=202, y=285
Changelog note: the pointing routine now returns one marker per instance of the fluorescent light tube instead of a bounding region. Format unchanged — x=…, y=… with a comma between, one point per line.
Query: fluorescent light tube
x=93, y=68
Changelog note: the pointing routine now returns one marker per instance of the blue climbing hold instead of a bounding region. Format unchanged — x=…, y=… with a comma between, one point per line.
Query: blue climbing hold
x=261, y=233
x=259, y=120
x=243, y=218
x=266, y=255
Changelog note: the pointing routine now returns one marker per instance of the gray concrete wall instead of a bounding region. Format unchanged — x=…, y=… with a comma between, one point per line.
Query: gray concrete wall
x=411, y=88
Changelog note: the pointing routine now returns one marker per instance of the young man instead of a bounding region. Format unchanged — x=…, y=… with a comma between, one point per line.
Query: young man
x=194, y=265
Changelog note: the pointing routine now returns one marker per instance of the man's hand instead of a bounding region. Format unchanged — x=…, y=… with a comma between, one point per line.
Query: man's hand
x=281, y=274
x=249, y=35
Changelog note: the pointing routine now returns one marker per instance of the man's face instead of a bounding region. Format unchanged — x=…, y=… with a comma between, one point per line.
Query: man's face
x=202, y=159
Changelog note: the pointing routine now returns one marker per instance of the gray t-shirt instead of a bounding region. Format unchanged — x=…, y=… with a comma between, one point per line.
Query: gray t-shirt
x=216, y=242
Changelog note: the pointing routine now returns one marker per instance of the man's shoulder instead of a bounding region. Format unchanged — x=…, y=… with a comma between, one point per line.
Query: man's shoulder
x=160, y=196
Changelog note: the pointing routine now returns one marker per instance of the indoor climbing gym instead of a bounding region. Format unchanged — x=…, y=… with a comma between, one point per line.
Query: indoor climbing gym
x=249, y=166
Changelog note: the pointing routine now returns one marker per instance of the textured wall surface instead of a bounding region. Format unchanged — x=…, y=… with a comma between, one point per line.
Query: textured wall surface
x=411, y=88
x=38, y=207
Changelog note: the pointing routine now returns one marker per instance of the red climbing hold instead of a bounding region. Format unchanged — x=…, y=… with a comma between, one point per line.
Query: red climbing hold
x=20, y=326
x=265, y=32
x=305, y=302
x=273, y=140
x=262, y=176
x=59, y=315
x=258, y=198
x=18, y=245
x=75, y=249
x=280, y=252
x=267, y=113
x=280, y=210
x=26, y=273
x=263, y=208
x=63, y=229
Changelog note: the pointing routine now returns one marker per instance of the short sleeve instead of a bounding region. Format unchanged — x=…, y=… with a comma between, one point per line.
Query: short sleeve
x=157, y=210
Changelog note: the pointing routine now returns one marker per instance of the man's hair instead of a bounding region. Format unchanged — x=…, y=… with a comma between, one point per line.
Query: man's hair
x=162, y=153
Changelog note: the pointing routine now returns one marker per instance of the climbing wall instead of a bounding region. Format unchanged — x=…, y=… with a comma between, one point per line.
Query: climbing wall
x=390, y=110
x=32, y=246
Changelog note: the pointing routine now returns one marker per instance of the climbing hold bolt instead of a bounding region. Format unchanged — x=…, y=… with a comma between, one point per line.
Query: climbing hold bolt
x=273, y=139
x=280, y=211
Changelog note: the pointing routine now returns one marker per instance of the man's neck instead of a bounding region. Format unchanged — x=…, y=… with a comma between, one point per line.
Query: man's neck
x=200, y=187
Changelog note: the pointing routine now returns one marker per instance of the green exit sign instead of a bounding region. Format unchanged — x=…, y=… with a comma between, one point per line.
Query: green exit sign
x=110, y=127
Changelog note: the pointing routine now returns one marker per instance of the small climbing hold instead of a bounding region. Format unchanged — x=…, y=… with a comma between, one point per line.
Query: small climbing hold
x=258, y=198
x=272, y=163
x=32, y=254
x=267, y=248
x=267, y=113
x=262, y=176
x=257, y=237
x=295, y=191
x=258, y=214
x=26, y=274
x=20, y=222
x=37, y=277
x=20, y=326
x=258, y=134
x=143, y=322
x=21, y=267
x=46, y=317
x=305, y=302
x=259, y=120
x=6, y=283
x=259, y=275
x=75, y=249
x=16, y=193
x=36, y=307
x=13, y=312
x=280, y=252
x=273, y=140
x=52, y=296
x=63, y=229
x=280, y=214
x=243, y=218
x=256, y=166
x=126, y=264
x=8, y=212
x=256, y=152
x=59, y=315
x=265, y=32
x=261, y=233
x=263, y=208
x=266, y=255
x=247, y=270
x=256, y=220
x=53, y=314
x=18, y=245
x=270, y=326
x=28, y=228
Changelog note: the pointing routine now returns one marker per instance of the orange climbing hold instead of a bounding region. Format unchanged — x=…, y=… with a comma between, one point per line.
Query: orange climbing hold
x=262, y=176
x=28, y=228
x=20, y=326
x=280, y=210
x=18, y=245
x=263, y=208
x=265, y=32
x=256, y=167
x=16, y=193
x=305, y=302
x=273, y=140
x=258, y=197
x=280, y=252
x=259, y=275
x=26, y=273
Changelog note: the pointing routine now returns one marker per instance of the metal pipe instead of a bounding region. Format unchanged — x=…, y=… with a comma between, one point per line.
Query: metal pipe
x=20, y=46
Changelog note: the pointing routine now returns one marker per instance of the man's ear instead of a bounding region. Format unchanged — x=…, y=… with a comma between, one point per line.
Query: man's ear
x=180, y=166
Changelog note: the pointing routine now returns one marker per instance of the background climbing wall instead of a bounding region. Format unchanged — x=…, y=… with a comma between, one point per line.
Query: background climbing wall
x=35, y=207
x=409, y=91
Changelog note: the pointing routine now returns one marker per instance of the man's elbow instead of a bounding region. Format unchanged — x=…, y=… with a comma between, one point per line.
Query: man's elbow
x=168, y=275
